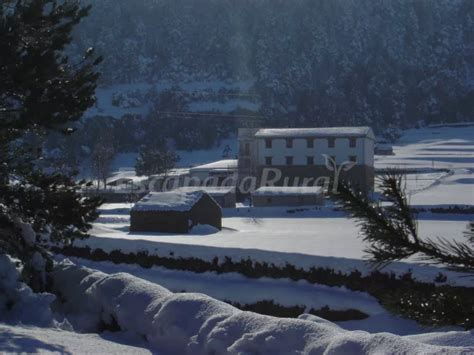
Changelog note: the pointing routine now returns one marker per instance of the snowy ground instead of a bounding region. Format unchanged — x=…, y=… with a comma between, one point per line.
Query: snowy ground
x=322, y=237
x=192, y=323
x=427, y=151
x=32, y=340
x=237, y=288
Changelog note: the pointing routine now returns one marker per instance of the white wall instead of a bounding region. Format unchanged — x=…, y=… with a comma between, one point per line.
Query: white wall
x=299, y=152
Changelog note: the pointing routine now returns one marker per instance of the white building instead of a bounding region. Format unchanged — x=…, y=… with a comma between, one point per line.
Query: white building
x=216, y=173
x=304, y=153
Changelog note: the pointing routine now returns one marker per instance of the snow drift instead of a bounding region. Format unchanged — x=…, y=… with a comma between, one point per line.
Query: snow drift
x=197, y=324
x=18, y=303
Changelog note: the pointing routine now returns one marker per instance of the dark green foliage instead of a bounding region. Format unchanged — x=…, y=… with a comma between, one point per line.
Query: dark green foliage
x=155, y=160
x=276, y=310
x=433, y=306
x=391, y=230
x=379, y=284
x=40, y=90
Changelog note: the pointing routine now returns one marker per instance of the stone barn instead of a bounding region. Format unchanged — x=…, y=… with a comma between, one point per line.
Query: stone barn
x=175, y=212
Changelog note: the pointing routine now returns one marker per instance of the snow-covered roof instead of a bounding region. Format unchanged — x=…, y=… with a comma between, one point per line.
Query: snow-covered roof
x=315, y=132
x=211, y=190
x=288, y=190
x=179, y=201
x=221, y=165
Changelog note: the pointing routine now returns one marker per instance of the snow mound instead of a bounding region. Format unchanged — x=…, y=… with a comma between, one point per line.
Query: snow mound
x=203, y=229
x=18, y=303
x=198, y=324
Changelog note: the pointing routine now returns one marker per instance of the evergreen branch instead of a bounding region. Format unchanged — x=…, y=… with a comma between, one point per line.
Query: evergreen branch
x=391, y=231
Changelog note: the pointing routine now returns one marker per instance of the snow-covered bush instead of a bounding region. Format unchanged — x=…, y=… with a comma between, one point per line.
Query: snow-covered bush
x=18, y=303
x=197, y=324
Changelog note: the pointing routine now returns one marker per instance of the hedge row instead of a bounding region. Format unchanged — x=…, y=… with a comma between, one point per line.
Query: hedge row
x=427, y=303
x=271, y=308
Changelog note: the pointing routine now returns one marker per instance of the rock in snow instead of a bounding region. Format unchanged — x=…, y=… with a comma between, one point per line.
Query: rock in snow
x=197, y=324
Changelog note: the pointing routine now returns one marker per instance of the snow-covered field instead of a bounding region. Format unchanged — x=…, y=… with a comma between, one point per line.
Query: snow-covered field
x=321, y=236
x=427, y=151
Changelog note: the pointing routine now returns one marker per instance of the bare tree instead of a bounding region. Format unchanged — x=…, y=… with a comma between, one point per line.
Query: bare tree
x=101, y=159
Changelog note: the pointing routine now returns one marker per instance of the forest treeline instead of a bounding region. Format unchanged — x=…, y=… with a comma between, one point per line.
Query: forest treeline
x=314, y=62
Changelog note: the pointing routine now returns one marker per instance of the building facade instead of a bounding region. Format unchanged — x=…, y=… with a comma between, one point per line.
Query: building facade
x=307, y=153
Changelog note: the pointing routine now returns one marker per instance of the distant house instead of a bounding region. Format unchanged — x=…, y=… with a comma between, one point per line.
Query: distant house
x=382, y=147
x=269, y=196
x=223, y=195
x=120, y=181
x=300, y=153
x=219, y=170
x=175, y=212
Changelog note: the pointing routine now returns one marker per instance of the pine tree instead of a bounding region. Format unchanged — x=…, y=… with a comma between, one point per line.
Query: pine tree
x=155, y=159
x=40, y=91
x=391, y=231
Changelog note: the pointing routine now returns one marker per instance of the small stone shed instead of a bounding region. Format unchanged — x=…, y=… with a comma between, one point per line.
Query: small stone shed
x=175, y=212
x=269, y=196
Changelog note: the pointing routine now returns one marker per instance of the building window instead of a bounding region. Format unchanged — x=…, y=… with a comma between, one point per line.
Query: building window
x=268, y=160
x=353, y=158
x=310, y=160
x=268, y=143
x=310, y=143
x=352, y=142
x=331, y=142
x=289, y=160
x=289, y=143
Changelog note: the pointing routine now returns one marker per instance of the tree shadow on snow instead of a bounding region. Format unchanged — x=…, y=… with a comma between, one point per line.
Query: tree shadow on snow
x=21, y=343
